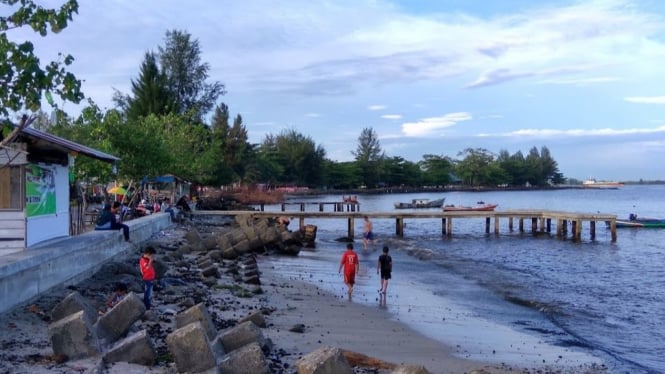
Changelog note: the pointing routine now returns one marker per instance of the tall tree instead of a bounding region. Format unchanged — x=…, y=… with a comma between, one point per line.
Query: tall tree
x=235, y=147
x=368, y=154
x=23, y=79
x=150, y=91
x=300, y=158
x=436, y=169
x=474, y=167
x=180, y=58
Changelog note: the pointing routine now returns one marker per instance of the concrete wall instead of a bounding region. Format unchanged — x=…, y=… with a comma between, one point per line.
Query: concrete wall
x=26, y=274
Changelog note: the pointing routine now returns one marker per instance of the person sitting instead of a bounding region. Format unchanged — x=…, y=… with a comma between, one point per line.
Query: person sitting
x=183, y=204
x=168, y=208
x=107, y=220
x=119, y=293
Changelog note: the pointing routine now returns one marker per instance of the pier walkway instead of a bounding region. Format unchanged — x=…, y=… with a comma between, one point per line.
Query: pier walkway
x=540, y=220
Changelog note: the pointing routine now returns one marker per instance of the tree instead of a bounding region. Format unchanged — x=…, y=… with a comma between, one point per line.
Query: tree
x=368, y=154
x=151, y=92
x=23, y=79
x=186, y=75
x=474, y=168
x=300, y=158
x=436, y=170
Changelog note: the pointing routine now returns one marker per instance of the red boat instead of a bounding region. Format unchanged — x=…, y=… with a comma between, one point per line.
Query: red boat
x=477, y=208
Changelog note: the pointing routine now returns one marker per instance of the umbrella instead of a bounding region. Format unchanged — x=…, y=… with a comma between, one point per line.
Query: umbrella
x=117, y=190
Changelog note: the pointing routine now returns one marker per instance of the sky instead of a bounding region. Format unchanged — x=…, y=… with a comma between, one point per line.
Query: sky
x=583, y=78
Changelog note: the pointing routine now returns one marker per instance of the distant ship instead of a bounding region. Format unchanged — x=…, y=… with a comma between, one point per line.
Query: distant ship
x=608, y=185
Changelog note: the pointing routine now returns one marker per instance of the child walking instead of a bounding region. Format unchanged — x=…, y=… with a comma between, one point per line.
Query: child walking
x=384, y=266
x=148, y=272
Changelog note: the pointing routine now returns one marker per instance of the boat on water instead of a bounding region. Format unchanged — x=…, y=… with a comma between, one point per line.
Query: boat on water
x=477, y=208
x=635, y=221
x=421, y=203
x=609, y=185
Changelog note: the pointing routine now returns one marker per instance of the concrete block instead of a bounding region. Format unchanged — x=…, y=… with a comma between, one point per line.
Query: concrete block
x=136, y=349
x=197, y=313
x=241, y=335
x=191, y=349
x=325, y=360
x=210, y=271
x=246, y=360
x=116, y=322
x=73, y=336
x=256, y=318
x=410, y=369
x=74, y=302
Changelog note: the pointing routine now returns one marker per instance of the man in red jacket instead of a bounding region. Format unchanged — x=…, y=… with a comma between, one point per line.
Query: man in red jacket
x=148, y=272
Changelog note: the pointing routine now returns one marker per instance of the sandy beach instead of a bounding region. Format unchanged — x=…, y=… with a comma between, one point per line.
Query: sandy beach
x=325, y=319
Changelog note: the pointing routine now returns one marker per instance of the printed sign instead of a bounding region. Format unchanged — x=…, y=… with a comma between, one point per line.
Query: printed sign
x=39, y=191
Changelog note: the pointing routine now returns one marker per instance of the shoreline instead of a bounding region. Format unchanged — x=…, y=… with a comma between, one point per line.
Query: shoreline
x=328, y=320
x=471, y=343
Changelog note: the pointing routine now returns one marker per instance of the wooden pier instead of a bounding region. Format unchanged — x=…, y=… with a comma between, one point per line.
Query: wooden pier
x=338, y=206
x=540, y=220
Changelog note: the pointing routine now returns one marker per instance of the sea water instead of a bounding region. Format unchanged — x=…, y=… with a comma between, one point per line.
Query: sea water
x=515, y=298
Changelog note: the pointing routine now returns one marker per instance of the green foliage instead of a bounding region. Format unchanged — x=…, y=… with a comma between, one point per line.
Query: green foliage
x=23, y=79
x=368, y=155
x=297, y=156
x=186, y=75
x=151, y=93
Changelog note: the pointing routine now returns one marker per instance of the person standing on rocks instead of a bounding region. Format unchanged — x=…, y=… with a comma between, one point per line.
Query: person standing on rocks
x=351, y=267
x=148, y=273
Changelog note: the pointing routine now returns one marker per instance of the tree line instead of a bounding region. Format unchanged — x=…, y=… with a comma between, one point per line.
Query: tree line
x=173, y=122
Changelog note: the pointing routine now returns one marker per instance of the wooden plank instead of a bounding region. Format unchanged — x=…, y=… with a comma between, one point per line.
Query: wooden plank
x=11, y=215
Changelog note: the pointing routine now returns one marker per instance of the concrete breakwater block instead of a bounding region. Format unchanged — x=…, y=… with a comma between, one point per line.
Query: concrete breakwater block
x=135, y=349
x=241, y=335
x=190, y=348
x=325, y=360
x=73, y=336
x=197, y=313
x=116, y=322
x=246, y=360
x=74, y=302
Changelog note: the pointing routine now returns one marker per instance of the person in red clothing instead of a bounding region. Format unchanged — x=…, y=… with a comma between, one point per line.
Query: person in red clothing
x=351, y=267
x=148, y=272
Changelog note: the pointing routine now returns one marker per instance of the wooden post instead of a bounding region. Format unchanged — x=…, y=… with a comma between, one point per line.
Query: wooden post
x=283, y=207
x=574, y=230
x=542, y=224
x=521, y=224
x=449, y=226
x=613, y=229
x=263, y=207
x=534, y=224
x=510, y=224
x=496, y=226
x=302, y=223
x=350, y=227
x=564, y=227
x=302, y=207
x=487, y=225
x=443, y=226
x=320, y=207
x=549, y=225
x=578, y=231
x=559, y=227
x=592, y=229
x=399, y=226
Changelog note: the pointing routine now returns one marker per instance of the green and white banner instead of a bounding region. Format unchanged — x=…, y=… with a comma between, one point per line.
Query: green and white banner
x=39, y=191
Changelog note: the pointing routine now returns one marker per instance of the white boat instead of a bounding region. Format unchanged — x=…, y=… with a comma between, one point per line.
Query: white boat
x=609, y=185
x=421, y=203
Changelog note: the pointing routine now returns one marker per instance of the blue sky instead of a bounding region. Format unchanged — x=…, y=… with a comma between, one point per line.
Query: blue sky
x=583, y=78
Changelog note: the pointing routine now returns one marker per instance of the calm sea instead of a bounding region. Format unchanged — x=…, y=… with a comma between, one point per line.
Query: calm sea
x=563, y=301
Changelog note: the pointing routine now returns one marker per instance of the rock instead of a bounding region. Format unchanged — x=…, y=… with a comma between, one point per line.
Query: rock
x=246, y=360
x=211, y=271
x=117, y=321
x=256, y=318
x=71, y=304
x=73, y=336
x=215, y=255
x=255, y=280
x=325, y=360
x=298, y=328
x=197, y=313
x=241, y=335
x=160, y=268
x=242, y=247
x=190, y=348
x=135, y=349
x=210, y=242
x=229, y=254
x=410, y=369
x=193, y=238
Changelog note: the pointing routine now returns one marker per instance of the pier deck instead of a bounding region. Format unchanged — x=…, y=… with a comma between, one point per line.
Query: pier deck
x=541, y=220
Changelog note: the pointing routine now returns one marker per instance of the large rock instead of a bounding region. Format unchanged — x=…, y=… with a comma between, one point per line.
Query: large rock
x=325, y=360
x=71, y=304
x=246, y=360
x=116, y=322
x=256, y=318
x=190, y=349
x=241, y=335
x=197, y=313
x=73, y=336
x=410, y=369
x=135, y=349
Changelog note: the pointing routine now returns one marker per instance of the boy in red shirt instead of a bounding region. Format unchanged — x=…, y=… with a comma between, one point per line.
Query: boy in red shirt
x=148, y=273
x=351, y=267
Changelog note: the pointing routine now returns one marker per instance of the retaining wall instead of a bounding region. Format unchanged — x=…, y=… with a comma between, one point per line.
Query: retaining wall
x=31, y=272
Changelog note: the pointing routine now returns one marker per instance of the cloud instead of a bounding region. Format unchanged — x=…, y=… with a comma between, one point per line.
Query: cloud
x=391, y=116
x=313, y=115
x=646, y=99
x=428, y=126
x=581, y=81
x=376, y=107
x=575, y=132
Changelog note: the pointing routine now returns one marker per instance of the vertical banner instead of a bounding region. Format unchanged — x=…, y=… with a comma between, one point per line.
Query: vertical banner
x=39, y=191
